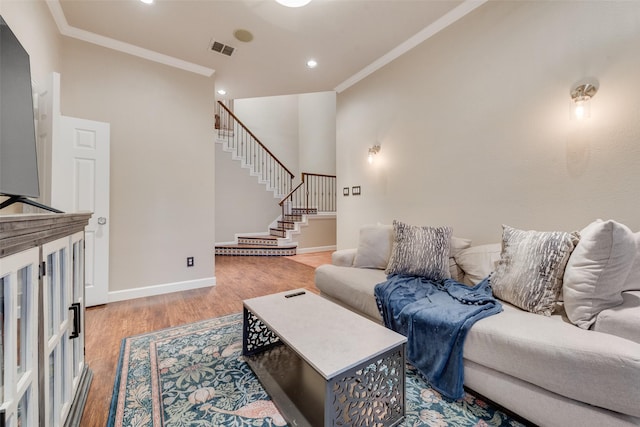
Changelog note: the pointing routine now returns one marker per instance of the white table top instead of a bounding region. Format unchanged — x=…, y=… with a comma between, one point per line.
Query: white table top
x=329, y=337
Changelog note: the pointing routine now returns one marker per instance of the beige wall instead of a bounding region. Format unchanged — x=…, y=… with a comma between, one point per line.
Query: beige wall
x=475, y=130
x=318, y=233
x=274, y=121
x=317, y=132
x=162, y=161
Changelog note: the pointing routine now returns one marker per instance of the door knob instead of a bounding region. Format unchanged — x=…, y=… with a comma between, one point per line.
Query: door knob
x=102, y=220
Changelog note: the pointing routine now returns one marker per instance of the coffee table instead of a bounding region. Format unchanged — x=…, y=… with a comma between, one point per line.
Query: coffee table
x=322, y=364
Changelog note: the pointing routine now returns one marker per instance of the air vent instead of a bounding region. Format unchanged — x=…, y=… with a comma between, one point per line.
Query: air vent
x=222, y=48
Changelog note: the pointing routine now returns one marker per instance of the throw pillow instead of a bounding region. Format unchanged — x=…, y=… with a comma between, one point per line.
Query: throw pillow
x=420, y=251
x=633, y=281
x=597, y=271
x=529, y=273
x=374, y=246
x=457, y=245
x=478, y=262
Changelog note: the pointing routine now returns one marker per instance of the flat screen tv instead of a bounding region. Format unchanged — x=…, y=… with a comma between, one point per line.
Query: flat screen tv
x=18, y=160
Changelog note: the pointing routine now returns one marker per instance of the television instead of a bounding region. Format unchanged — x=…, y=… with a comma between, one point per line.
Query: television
x=18, y=159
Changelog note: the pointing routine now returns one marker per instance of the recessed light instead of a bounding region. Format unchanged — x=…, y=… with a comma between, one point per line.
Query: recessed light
x=312, y=63
x=147, y=1
x=222, y=92
x=294, y=3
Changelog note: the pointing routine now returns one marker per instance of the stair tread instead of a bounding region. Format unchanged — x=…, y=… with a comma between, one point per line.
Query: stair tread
x=247, y=246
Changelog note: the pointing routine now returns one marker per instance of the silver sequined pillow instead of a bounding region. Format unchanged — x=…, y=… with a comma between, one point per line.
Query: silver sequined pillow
x=420, y=251
x=529, y=273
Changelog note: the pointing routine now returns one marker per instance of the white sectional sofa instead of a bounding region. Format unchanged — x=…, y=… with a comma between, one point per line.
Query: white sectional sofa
x=543, y=368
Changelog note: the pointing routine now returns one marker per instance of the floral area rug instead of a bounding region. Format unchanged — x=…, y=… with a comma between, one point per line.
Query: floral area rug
x=194, y=375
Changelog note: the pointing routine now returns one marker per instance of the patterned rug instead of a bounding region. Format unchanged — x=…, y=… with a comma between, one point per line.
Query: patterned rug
x=194, y=375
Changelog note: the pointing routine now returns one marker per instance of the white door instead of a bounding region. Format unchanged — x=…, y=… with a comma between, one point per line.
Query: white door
x=80, y=182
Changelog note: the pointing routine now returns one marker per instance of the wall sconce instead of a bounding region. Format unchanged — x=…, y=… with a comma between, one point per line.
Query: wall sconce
x=372, y=152
x=581, y=95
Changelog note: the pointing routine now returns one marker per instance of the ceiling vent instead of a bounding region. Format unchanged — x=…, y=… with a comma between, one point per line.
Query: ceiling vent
x=222, y=48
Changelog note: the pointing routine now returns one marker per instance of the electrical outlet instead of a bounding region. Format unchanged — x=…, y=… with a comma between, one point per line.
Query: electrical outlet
x=190, y=261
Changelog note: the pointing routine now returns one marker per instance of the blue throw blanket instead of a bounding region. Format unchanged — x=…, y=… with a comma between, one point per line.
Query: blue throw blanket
x=435, y=316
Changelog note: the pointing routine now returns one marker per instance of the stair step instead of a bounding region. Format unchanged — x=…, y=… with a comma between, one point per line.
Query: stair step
x=278, y=232
x=258, y=240
x=292, y=217
x=304, y=211
x=255, y=250
x=287, y=225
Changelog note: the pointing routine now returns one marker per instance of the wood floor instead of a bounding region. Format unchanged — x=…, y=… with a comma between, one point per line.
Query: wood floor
x=237, y=278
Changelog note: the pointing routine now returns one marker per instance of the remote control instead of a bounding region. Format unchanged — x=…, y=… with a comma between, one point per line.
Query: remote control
x=295, y=294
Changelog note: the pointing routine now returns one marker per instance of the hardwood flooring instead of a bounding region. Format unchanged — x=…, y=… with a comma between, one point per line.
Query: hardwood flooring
x=237, y=278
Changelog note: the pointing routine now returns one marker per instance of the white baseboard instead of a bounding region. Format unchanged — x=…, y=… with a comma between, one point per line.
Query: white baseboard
x=166, y=288
x=317, y=249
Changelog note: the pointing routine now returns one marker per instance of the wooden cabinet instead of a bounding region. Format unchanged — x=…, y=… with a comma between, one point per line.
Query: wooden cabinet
x=44, y=379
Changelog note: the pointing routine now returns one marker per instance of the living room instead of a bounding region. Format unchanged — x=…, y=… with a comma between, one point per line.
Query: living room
x=484, y=104
x=473, y=125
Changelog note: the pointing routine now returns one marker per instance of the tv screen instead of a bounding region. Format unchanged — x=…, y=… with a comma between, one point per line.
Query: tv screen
x=18, y=163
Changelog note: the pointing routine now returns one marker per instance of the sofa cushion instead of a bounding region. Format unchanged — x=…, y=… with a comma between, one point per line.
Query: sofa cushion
x=343, y=257
x=374, y=246
x=352, y=287
x=420, y=251
x=597, y=270
x=633, y=280
x=529, y=273
x=552, y=353
x=622, y=320
x=477, y=262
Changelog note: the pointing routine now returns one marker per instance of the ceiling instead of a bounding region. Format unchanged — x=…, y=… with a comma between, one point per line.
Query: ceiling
x=348, y=38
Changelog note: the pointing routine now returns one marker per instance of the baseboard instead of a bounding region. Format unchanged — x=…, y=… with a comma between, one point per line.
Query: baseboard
x=317, y=249
x=166, y=288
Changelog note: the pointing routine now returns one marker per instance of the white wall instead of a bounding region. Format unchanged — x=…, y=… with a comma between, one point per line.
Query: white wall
x=162, y=161
x=475, y=131
x=242, y=204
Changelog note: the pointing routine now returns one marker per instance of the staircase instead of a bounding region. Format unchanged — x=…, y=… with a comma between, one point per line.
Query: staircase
x=308, y=198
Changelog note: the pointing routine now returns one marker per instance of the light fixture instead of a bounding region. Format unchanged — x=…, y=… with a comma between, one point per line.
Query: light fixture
x=222, y=92
x=312, y=63
x=372, y=152
x=147, y=1
x=294, y=3
x=581, y=95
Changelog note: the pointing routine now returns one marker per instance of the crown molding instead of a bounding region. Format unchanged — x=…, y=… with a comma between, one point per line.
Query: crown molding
x=440, y=24
x=67, y=30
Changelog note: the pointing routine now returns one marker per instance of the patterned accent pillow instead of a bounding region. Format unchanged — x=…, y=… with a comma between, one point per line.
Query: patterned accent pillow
x=420, y=251
x=529, y=273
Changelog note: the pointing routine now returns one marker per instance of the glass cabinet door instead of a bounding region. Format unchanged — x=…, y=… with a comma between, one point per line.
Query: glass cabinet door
x=19, y=338
x=77, y=308
x=56, y=301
